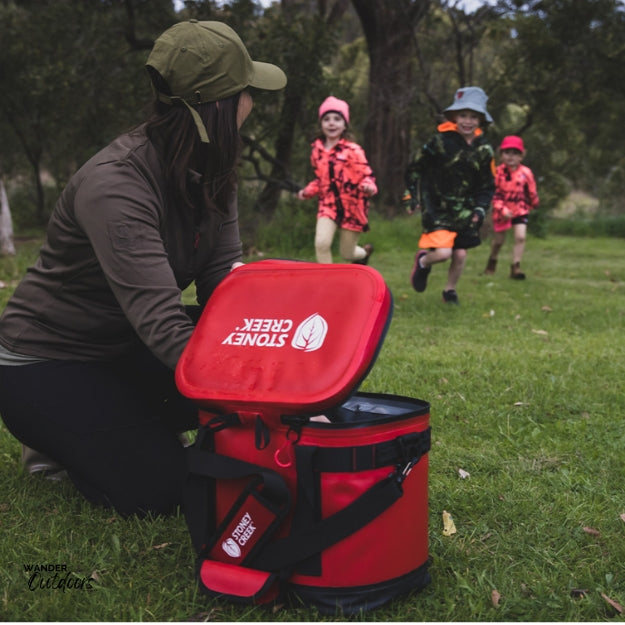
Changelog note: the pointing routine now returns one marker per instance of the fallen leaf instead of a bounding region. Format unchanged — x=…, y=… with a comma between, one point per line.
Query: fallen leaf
x=592, y=531
x=541, y=332
x=547, y=308
x=495, y=597
x=622, y=517
x=463, y=473
x=449, y=527
x=613, y=603
x=519, y=403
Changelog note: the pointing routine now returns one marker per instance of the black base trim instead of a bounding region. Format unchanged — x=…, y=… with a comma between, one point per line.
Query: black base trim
x=352, y=600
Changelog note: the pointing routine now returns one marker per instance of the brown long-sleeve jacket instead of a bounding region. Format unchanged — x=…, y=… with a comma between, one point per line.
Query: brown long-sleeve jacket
x=117, y=255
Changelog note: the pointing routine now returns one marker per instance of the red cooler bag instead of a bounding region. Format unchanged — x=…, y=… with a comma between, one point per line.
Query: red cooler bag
x=299, y=485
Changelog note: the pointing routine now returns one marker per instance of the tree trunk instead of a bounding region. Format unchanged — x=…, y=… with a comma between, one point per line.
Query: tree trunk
x=6, y=225
x=270, y=195
x=331, y=12
x=389, y=31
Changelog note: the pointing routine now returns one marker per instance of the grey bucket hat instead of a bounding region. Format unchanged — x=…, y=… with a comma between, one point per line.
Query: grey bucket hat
x=472, y=99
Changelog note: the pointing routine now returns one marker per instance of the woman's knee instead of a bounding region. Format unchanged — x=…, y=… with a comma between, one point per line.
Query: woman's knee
x=134, y=487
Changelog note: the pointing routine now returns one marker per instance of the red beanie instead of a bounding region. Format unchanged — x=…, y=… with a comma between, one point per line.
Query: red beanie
x=335, y=105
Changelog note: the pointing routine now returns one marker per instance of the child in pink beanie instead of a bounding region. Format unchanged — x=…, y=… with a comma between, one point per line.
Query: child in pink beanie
x=343, y=183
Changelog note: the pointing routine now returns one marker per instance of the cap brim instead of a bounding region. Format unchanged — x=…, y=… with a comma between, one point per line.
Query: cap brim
x=267, y=76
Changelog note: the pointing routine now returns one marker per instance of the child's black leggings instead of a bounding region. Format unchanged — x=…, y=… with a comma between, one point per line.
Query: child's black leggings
x=113, y=426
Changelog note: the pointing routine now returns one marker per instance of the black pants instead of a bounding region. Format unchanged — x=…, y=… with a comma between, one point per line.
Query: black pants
x=113, y=426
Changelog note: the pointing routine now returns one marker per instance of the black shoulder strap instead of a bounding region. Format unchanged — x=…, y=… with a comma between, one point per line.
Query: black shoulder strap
x=198, y=504
x=288, y=551
x=285, y=552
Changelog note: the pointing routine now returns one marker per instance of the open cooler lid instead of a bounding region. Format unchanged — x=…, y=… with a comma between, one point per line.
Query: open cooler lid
x=285, y=337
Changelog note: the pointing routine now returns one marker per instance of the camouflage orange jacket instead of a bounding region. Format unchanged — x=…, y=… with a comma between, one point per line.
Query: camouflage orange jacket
x=452, y=179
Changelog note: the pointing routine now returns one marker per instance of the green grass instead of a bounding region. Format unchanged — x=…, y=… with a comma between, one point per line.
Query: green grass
x=526, y=382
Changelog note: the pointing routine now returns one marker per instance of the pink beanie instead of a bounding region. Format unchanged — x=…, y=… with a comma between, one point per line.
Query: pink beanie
x=335, y=105
x=512, y=142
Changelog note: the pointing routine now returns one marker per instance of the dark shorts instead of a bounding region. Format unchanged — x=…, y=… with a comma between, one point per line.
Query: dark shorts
x=467, y=239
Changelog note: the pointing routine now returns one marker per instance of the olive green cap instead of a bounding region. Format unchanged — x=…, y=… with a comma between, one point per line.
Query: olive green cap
x=205, y=62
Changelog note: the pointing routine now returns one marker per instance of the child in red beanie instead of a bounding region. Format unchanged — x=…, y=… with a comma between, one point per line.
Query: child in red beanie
x=343, y=182
x=515, y=196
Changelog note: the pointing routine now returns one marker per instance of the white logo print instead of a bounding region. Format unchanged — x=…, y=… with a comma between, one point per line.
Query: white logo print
x=310, y=334
x=231, y=548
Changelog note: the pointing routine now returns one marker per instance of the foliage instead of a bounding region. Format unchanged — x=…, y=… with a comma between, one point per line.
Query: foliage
x=69, y=81
x=525, y=382
x=560, y=65
x=72, y=77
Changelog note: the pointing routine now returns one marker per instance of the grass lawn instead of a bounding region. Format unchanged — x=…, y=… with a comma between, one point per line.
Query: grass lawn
x=526, y=381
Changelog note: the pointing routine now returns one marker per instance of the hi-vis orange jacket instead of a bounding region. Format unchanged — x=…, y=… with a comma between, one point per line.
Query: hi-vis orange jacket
x=515, y=191
x=340, y=172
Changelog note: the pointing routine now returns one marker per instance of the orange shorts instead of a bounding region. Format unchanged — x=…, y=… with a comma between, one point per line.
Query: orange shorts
x=438, y=238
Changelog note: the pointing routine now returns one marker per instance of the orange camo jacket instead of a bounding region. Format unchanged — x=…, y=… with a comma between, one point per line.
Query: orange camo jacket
x=514, y=190
x=349, y=163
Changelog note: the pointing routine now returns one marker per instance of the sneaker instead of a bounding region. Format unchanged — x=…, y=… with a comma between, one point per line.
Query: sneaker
x=450, y=297
x=419, y=276
x=35, y=462
x=368, y=247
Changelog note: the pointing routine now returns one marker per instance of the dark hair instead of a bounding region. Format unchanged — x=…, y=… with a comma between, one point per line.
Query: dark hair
x=173, y=131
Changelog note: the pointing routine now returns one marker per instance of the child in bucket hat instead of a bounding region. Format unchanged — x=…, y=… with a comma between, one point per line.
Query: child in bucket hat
x=343, y=183
x=471, y=99
x=515, y=196
x=451, y=181
x=97, y=325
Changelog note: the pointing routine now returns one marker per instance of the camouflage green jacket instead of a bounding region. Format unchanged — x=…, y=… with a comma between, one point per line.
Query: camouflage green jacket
x=452, y=179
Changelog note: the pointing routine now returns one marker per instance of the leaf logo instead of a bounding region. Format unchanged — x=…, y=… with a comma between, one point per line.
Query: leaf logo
x=231, y=548
x=310, y=334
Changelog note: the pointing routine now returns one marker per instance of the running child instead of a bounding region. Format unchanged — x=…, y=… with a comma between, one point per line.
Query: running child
x=343, y=182
x=515, y=196
x=451, y=180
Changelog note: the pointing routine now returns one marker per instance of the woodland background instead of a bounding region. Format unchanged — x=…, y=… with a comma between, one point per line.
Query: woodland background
x=72, y=77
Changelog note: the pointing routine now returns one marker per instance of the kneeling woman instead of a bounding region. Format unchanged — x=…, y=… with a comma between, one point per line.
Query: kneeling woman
x=91, y=337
